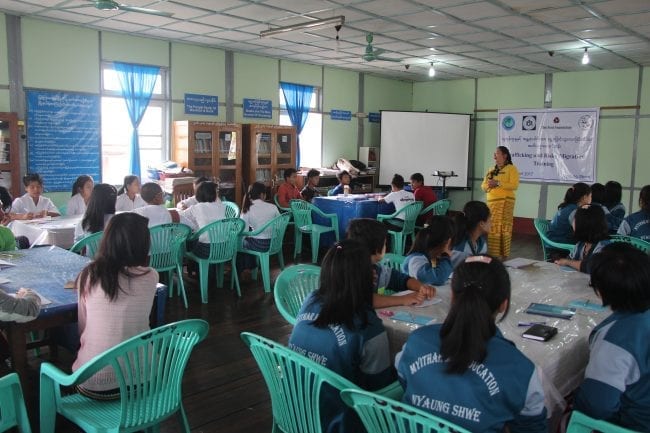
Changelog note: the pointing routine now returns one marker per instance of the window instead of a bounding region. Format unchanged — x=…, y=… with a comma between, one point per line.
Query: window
x=116, y=128
x=311, y=138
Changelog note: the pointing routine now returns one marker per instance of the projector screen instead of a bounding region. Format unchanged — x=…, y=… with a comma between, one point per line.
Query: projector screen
x=413, y=142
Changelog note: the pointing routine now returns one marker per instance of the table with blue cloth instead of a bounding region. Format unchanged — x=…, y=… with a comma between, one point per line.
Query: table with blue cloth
x=348, y=208
x=47, y=270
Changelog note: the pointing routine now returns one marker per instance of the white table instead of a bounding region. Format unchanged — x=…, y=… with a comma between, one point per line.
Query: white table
x=562, y=359
x=57, y=231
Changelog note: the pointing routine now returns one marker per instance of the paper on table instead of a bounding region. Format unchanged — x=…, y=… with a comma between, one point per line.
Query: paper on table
x=519, y=262
x=425, y=303
x=44, y=300
x=5, y=264
x=4, y=280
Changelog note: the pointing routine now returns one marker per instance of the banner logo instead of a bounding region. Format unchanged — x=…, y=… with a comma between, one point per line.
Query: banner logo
x=508, y=123
x=529, y=123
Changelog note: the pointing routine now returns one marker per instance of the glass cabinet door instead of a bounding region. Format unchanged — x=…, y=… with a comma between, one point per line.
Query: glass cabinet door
x=202, y=151
x=283, y=148
x=263, y=148
x=227, y=149
x=5, y=142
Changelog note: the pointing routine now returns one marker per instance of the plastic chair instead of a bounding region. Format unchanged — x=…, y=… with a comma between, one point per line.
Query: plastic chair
x=292, y=287
x=409, y=214
x=394, y=261
x=302, y=211
x=381, y=414
x=149, y=370
x=166, y=253
x=277, y=203
x=13, y=412
x=295, y=382
x=278, y=226
x=232, y=210
x=439, y=207
x=637, y=242
x=224, y=239
x=541, y=225
x=581, y=423
x=88, y=245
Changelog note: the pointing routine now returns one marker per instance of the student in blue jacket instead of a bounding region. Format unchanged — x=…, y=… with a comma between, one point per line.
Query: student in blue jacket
x=637, y=224
x=599, y=198
x=617, y=378
x=471, y=228
x=613, y=195
x=338, y=328
x=464, y=370
x=591, y=232
x=429, y=259
x=561, y=227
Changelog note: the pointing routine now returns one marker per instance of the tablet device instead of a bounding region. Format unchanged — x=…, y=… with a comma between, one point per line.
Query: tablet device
x=540, y=332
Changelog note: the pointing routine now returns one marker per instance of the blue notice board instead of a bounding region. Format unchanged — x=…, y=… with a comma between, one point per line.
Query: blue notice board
x=63, y=137
x=340, y=115
x=201, y=104
x=374, y=117
x=258, y=108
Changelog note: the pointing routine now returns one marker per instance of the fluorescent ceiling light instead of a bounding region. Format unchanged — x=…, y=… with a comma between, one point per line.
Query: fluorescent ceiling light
x=585, y=58
x=334, y=21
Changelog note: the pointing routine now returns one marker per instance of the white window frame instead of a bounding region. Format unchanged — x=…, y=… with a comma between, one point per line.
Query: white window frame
x=315, y=107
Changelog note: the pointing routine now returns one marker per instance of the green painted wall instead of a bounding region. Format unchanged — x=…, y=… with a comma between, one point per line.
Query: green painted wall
x=383, y=94
x=341, y=92
x=4, y=60
x=523, y=91
x=301, y=73
x=596, y=89
x=455, y=96
x=58, y=56
x=134, y=49
x=645, y=92
x=255, y=77
x=643, y=154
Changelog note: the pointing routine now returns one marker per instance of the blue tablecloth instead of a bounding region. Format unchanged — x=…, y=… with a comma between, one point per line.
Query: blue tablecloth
x=347, y=208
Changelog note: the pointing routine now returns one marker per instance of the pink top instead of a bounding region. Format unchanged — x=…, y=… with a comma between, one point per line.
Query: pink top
x=104, y=324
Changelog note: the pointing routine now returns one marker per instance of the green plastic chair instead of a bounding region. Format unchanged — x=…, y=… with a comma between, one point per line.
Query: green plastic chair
x=232, y=210
x=439, y=207
x=295, y=382
x=149, y=370
x=409, y=214
x=88, y=245
x=302, y=211
x=541, y=225
x=278, y=226
x=581, y=423
x=166, y=253
x=292, y=287
x=637, y=242
x=224, y=239
x=277, y=203
x=394, y=261
x=12, y=405
x=380, y=414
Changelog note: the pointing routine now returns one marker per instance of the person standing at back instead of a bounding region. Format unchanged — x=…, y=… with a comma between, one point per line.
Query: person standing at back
x=422, y=193
x=288, y=190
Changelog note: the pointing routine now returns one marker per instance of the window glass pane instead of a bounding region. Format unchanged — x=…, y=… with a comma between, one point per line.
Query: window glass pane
x=310, y=139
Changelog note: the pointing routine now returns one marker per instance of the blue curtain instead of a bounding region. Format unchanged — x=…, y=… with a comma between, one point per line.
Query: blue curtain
x=137, y=83
x=298, y=98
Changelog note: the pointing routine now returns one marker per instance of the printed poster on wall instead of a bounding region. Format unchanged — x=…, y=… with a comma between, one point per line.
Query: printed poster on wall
x=207, y=105
x=63, y=137
x=554, y=145
x=258, y=108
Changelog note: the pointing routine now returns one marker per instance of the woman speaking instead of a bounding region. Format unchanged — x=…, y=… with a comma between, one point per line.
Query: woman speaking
x=500, y=184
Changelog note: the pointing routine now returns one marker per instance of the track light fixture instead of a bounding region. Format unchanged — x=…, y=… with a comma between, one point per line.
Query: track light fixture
x=337, y=22
x=432, y=71
x=585, y=58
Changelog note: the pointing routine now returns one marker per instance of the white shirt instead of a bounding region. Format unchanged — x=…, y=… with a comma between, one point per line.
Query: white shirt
x=259, y=214
x=25, y=204
x=125, y=204
x=187, y=203
x=158, y=214
x=202, y=214
x=399, y=199
x=76, y=205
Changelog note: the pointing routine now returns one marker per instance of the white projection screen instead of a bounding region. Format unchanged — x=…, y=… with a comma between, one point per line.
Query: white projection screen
x=424, y=142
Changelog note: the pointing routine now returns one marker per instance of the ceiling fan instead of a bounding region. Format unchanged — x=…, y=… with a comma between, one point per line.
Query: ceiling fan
x=111, y=5
x=375, y=53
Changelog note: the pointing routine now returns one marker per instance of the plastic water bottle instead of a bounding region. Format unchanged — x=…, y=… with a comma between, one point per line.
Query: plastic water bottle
x=346, y=190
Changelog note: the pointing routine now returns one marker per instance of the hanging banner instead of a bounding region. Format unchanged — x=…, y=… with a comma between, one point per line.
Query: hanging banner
x=554, y=145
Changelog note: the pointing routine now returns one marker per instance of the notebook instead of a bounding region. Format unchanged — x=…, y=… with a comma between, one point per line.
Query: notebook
x=551, y=310
x=540, y=332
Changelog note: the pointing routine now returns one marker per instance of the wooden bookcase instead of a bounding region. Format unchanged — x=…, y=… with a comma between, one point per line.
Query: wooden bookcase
x=269, y=150
x=9, y=157
x=213, y=150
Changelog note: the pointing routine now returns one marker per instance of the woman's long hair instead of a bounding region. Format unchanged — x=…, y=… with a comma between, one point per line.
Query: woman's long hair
x=125, y=244
x=575, y=193
x=346, y=285
x=433, y=237
x=128, y=180
x=496, y=170
x=78, y=184
x=479, y=286
x=466, y=221
x=101, y=203
x=254, y=192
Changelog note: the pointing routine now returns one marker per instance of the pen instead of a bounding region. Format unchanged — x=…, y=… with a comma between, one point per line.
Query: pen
x=531, y=323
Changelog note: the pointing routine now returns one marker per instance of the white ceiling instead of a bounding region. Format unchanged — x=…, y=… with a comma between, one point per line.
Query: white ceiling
x=464, y=38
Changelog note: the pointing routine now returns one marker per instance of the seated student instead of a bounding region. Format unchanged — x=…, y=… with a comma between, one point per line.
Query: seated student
x=22, y=307
x=256, y=212
x=155, y=210
x=116, y=292
x=191, y=201
x=472, y=226
x=598, y=198
x=477, y=379
x=288, y=190
x=128, y=196
x=637, y=224
x=344, y=180
x=101, y=208
x=591, y=234
x=207, y=209
x=82, y=188
x=32, y=204
x=617, y=377
x=8, y=242
x=399, y=198
x=561, y=227
x=432, y=245
x=613, y=194
x=422, y=193
x=309, y=191
x=338, y=327
x=373, y=235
